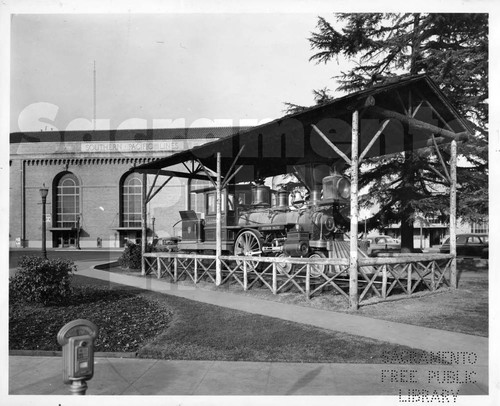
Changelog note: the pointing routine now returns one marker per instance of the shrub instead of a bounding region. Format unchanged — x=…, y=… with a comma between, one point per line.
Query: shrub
x=131, y=257
x=40, y=280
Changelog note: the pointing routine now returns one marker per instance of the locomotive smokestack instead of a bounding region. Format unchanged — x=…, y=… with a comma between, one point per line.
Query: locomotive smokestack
x=315, y=196
x=261, y=195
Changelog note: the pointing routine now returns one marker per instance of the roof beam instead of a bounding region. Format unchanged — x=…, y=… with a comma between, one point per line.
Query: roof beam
x=176, y=174
x=441, y=159
x=152, y=194
x=434, y=110
x=152, y=187
x=205, y=169
x=235, y=160
x=420, y=125
x=375, y=138
x=362, y=103
x=226, y=182
x=332, y=145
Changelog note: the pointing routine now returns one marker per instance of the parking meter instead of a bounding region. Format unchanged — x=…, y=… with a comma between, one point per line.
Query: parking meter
x=77, y=339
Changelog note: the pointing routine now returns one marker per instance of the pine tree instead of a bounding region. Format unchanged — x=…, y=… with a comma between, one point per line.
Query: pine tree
x=452, y=49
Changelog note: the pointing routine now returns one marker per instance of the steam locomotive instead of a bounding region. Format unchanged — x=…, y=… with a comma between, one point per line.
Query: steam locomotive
x=257, y=220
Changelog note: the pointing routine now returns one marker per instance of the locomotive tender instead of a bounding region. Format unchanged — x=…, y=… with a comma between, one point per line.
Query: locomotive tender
x=259, y=221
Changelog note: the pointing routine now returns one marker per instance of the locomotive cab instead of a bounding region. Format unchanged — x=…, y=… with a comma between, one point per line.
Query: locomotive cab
x=199, y=227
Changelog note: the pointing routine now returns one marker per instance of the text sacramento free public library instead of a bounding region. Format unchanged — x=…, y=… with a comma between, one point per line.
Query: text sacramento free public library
x=432, y=357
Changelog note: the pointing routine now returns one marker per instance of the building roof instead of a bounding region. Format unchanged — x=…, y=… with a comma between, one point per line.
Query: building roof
x=291, y=141
x=124, y=135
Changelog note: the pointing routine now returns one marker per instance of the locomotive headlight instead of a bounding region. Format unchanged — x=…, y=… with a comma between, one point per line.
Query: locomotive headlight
x=329, y=223
x=344, y=188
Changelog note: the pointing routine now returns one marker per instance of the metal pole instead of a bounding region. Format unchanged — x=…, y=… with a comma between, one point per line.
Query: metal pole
x=353, y=262
x=143, y=223
x=218, y=229
x=421, y=235
x=78, y=225
x=78, y=387
x=44, y=235
x=23, y=203
x=453, y=213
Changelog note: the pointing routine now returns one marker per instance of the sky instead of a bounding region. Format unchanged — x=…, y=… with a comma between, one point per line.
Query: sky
x=160, y=70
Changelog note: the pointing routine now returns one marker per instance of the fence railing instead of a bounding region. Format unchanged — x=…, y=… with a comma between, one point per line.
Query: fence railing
x=377, y=277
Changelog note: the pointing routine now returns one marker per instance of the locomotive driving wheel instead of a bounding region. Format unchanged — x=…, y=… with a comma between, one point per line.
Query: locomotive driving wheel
x=284, y=267
x=248, y=243
x=317, y=270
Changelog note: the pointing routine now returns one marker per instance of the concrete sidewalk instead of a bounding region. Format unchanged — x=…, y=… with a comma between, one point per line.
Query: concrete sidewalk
x=125, y=376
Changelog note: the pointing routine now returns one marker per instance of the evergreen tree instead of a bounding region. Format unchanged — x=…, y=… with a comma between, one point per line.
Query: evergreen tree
x=452, y=49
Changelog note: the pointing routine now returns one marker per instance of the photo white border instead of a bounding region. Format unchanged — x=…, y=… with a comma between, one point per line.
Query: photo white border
x=10, y=7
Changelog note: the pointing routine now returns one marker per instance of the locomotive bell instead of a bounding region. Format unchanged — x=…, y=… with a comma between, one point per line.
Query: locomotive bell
x=336, y=187
x=298, y=198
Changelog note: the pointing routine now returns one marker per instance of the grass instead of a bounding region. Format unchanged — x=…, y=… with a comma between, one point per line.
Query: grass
x=464, y=310
x=155, y=325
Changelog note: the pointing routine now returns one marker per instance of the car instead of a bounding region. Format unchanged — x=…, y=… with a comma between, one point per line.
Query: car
x=377, y=244
x=468, y=245
x=166, y=244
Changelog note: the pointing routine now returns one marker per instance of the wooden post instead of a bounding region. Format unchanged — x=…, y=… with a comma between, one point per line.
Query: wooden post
x=144, y=224
x=384, y=281
x=353, y=259
x=245, y=275
x=453, y=213
x=308, y=281
x=218, y=229
x=175, y=269
x=195, y=269
x=433, y=274
x=158, y=267
x=275, y=280
x=408, y=281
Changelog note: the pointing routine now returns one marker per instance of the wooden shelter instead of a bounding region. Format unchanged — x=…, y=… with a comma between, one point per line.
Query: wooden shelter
x=405, y=114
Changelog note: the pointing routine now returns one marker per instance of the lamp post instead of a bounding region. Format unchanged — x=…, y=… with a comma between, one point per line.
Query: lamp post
x=78, y=226
x=365, y=219
x=153, y=224
x=43, y=193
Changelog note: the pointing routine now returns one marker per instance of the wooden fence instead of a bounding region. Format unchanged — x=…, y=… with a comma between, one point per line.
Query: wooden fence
x=377, y=277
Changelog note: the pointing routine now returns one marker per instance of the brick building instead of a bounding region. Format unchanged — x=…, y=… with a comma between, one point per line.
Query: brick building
x=93, y=195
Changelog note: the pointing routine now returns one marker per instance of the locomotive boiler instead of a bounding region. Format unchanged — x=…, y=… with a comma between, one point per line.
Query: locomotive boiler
x=257, y=220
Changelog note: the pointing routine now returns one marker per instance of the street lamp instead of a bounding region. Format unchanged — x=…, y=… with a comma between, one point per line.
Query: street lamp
x=153, y=223
x=78, y=226
x=365, y=219
x=43, y=193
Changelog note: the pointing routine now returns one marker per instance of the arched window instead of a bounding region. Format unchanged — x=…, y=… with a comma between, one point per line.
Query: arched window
x=131, y=201
x=68, y=201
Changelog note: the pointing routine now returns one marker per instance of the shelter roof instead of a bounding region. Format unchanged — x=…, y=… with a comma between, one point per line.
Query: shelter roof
x=413, y=104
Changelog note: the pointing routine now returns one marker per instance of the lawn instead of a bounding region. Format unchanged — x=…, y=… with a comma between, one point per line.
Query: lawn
x=462, y=310
x=155, y=325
